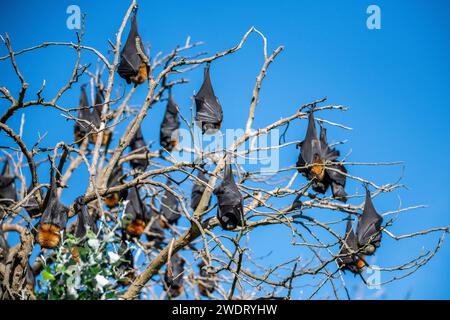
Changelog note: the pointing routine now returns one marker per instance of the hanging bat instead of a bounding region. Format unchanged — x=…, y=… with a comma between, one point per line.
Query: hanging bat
x=368, y=231
x=53, y=220
x=317, y=160
x=4, y=247
x=138, y=143
x=206, y=284
x=169, y=209
x=132, y=66
x=168, y=134
x=7, y=185
x=96, y=116
x=155, y=233
x=136, y=212
x=230, y=210
x=126, y=266
x=209, y=113
x=82, y=128
x=349, y=261
x=84, y=222
x=197, y=191
x=173, y=277
x=112, y=200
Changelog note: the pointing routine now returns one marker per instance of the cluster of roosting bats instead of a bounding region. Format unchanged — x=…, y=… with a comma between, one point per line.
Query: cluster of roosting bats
x=317, y=161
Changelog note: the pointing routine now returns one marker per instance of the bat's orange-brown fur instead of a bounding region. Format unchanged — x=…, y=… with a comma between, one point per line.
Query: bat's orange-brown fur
x=318, y=169
x=105, y=139
x=203, y=291
x=75, y=254
x=163, y=224
x=360, y=264
x=141, y=75
x=78, y=136
x=48, y=235
x=112, y=200
x=174, y=143
x=127, y=279
x=136, y=228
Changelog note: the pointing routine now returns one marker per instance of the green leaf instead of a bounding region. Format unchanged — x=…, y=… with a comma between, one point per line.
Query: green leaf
x=48, y=276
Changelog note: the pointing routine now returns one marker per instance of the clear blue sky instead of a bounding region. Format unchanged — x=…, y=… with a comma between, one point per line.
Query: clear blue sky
x=395, y=81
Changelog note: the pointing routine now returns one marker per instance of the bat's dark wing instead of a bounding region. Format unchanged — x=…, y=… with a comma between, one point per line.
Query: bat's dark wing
x=55, y=212
x=230, y=202
x=130, y=61
x=99, y=102
x=197, y=191
x=206, y=281
x=168, y=134
x=338, y=181
x=173, y=279
x=209, y=114
x=85, y=221
x=138, y=143
x=347, y=261
x=7, y=184
x=368, y=231
x=169, y=208
x=156, y=232
x=135, y=208
x=326, y=153
x=126, y=266
x=310, y=146
x=84, y=113
x=334, y=172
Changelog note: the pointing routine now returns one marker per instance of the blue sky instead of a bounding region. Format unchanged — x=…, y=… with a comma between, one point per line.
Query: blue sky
x=394, y=80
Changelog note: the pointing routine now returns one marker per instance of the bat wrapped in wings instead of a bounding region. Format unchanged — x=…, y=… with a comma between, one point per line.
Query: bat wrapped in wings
x=125, y=269
x=53, y=220
x=96, y=116
x=170, y=210
x=209, y=113
x=155, y=232
x=348, y=259
x=138, y=146
x=168, y=134
x=83, y=127
x=84, y=223
x=368, y=231
x=173, y=277
x=206, y=283
x=230, y=211
x=197, y=191
x=366, y=241
x=8, y=193
x=136, y=213
x=112, y=200
x=317, y=162
x=133, y=66
x=89, y=120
